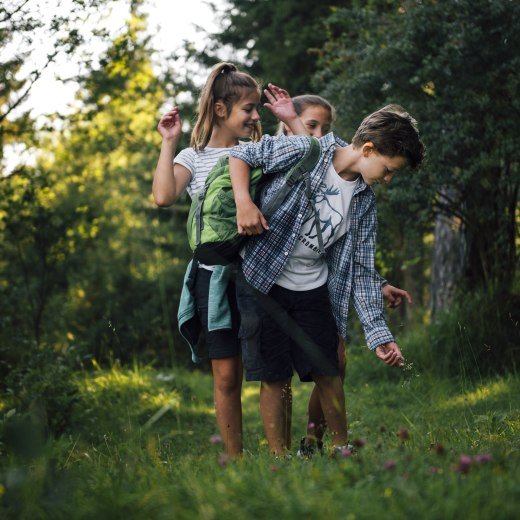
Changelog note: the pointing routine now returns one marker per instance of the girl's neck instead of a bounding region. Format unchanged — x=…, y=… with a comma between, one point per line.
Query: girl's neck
x=220, y=138
x=345, y=162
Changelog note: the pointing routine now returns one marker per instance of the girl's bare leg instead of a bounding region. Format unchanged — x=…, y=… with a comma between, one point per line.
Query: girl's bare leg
x=227, y=386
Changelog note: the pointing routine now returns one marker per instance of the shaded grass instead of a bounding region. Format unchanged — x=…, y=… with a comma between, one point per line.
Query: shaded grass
x=138, y=447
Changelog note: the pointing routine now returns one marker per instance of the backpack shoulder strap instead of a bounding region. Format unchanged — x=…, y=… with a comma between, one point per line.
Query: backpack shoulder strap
x=295, y=174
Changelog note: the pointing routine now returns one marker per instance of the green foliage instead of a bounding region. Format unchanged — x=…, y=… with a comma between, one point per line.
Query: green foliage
x=476, y=337
x=278, y=42
x=139, y=446
x=452, y=65
x=41, y=392
x=25, y=27
x=87, y=260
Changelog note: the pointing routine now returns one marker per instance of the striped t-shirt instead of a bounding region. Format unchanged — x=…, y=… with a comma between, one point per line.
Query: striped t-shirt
x=199, y=163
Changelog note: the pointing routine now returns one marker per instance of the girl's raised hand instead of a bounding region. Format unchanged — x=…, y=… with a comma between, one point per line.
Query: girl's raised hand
x=170, y=125
x=280, y=103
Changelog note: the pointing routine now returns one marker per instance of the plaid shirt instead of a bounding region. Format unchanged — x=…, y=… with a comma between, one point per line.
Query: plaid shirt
x=350, y=259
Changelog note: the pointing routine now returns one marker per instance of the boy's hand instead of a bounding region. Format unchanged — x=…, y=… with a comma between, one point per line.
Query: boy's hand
x=170, y=125
x=390, y=354
x=280, y=104
x=395, y=296
x=250, y=220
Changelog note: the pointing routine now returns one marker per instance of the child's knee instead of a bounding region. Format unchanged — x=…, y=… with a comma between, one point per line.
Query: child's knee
x=228, y=382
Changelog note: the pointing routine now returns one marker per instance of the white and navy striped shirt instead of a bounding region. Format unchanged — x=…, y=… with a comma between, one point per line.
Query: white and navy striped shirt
x=199, y=163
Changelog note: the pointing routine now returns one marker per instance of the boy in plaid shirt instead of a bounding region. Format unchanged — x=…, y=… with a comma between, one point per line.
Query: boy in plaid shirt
x=294, y=288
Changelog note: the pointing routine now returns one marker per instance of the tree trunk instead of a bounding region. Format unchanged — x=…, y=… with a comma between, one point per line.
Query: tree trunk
x=448, y=259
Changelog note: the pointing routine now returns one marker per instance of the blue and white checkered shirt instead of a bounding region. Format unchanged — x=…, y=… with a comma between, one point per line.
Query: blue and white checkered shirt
x=350, y=259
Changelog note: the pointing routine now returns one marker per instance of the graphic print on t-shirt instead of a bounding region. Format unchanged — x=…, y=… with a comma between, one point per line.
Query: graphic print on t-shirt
x=326, y=199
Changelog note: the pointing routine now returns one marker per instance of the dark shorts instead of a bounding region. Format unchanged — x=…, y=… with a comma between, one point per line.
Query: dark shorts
x=285, y=331
x=222, y=343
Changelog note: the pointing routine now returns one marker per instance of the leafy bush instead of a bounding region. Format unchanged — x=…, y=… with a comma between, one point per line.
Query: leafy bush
x=477, y=336
x=41, y=393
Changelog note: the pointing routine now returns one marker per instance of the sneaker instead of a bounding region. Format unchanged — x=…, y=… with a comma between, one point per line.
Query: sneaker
x=308, y=449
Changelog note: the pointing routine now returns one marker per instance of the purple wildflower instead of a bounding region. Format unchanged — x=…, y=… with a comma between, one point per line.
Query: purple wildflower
x=390, y=464
x=464, y=464
x=482, y=458
x=215, y=439
x=359, y=443
x=403, y=434
x=345, y=452
x=223, y=459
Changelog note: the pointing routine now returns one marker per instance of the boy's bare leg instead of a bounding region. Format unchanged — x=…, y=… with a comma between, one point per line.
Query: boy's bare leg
x=227, y=386
x=317, y=423
x=273, y=408
x=332, y=401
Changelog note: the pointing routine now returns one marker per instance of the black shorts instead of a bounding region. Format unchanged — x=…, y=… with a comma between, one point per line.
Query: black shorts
x=285, y=331
x=221, y=343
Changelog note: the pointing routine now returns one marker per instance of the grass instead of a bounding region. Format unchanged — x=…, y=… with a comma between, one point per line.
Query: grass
x=138, y=446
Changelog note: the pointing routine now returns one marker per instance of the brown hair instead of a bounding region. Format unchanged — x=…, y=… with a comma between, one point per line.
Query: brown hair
x=304, y=101
x=393, y=132
x=227, y=84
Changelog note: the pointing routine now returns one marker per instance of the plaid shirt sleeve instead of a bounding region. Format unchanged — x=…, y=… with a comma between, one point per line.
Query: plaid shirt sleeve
x=273, y=153
x=367, y=297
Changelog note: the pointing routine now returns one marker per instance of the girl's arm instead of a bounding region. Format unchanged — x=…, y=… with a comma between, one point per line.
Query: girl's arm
x=169, y=180
x=250, y=220
x=281, y=105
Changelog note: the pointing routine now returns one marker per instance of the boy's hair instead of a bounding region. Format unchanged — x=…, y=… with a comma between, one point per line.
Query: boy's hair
x=393, y=132
x=305, y=101
x=227, y=84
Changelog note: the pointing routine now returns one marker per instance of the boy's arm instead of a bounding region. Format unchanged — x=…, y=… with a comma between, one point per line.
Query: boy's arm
x=393, y=295
x=367, y=297
x=250, y=220
x=272, y=154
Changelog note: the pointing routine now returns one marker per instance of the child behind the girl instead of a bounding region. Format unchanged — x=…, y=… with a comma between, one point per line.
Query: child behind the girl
x=227, y=112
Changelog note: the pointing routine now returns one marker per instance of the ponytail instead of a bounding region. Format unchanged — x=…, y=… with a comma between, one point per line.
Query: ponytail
x=227, y=84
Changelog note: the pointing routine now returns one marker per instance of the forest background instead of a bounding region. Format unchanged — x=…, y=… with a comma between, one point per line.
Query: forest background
x=91, y=269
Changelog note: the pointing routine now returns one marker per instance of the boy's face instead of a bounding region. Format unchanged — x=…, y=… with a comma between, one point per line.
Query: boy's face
x=379, y=169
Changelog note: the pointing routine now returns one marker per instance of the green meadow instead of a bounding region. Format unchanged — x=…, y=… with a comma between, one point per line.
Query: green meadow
x=140, y=443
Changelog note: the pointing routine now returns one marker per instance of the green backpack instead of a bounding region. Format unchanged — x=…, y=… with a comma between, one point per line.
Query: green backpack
x=212, y=220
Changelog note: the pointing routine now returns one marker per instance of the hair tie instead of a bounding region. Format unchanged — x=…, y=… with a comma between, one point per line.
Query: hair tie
x=227, y=68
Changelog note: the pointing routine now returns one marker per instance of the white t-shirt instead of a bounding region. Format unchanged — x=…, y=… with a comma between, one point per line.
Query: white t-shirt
x=305, y=268
x=199, y=164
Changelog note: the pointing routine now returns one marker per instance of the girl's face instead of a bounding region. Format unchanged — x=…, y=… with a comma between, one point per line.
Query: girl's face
x=244, y=116
x=317, y=120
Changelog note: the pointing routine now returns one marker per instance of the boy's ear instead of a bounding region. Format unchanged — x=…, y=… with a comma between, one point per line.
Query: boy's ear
x=368, y=148
x=220, y=109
